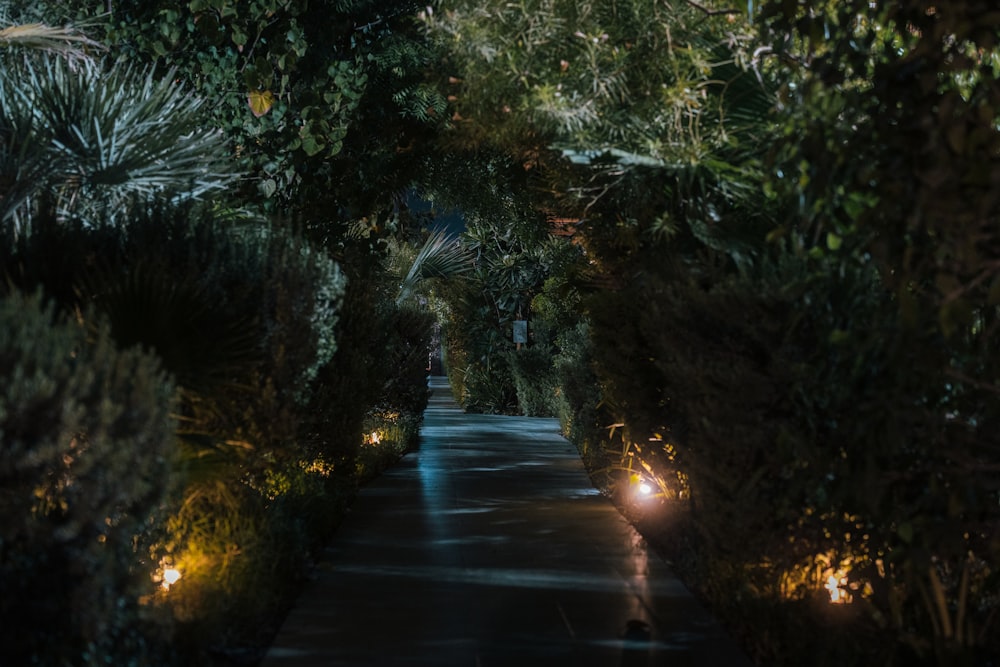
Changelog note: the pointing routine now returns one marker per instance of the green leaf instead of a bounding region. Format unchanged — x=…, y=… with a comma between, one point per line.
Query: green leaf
x=833, y=242
x=268, y=187
x=311, y=145
x=776, y=234
x=839, y=337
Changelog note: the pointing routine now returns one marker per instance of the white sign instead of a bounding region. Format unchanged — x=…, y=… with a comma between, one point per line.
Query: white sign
x=520, y=331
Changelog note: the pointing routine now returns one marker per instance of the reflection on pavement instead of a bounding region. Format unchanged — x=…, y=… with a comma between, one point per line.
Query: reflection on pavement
x=487, y=547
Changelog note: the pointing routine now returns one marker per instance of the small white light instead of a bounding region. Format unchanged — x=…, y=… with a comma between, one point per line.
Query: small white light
x=170, y=577
x=645, y=489
x=833, y=584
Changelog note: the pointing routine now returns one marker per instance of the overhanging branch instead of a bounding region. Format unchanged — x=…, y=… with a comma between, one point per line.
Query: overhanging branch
x=713, y=12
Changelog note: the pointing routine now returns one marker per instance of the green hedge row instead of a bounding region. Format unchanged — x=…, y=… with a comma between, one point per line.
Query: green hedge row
x=231, y=363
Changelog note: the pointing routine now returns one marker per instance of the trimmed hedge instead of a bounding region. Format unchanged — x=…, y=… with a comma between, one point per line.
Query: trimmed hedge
x=85, y=468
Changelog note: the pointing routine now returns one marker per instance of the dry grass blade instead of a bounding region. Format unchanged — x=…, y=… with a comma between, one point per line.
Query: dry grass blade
x=65, y=41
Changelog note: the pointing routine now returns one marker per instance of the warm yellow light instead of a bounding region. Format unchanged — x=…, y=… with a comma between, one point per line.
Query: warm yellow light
x=376, y=438
x=170, y=577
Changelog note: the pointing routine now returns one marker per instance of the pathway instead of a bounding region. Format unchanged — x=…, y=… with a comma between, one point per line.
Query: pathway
x=489, y=547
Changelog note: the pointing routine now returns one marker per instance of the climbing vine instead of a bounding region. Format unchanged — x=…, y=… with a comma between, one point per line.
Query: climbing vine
x=287, y=77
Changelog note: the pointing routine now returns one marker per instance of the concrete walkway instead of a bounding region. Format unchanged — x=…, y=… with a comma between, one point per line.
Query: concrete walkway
x=488, y=547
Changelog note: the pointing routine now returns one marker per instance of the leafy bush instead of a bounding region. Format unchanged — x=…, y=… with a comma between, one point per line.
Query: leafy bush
x=85, y=463
x=247, y=316
x=388, y=435
x=244, y=318
x=489, y=389
x=380, y=365
x=815, y=446
x=578, y=397
x=475, y=350
x=534, y=379
x=407, y=350
x=240, y=545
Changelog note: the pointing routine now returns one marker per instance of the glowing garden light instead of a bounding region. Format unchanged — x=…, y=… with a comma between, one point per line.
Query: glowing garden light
x=833, y=587
x=170, y=577
x=645, y=489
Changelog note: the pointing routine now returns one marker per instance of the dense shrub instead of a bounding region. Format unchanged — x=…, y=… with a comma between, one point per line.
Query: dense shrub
x=407, y=352
x=351, y=383
x=489, y=388
x=814, y=447
x=85, y=463
x=242, y=315
x=578, y=399
x=475, y=348
x=534, y=380
x=244, y=318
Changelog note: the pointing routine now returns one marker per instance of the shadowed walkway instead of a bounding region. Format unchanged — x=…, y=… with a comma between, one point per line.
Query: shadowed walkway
x=489, y=547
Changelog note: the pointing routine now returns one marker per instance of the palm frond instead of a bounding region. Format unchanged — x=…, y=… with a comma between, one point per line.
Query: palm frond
x=131, y=129
x=442, y=256
x=24, y=155
x=106, y=137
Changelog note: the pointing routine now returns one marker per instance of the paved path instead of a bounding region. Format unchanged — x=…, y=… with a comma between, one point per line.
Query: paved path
x=488, y=547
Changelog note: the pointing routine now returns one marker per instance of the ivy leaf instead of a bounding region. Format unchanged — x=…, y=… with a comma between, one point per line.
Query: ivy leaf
x=239, y=37
x=311, y=145
x=269, y=187
x=260, y=102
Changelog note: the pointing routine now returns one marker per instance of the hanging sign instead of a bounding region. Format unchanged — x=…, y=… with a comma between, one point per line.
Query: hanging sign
x=520, y=331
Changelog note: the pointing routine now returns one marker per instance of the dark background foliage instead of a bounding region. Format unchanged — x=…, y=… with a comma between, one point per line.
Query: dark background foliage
x=756, y=250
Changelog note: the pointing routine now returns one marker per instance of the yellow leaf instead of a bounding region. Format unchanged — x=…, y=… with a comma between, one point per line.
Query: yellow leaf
x=260, y=101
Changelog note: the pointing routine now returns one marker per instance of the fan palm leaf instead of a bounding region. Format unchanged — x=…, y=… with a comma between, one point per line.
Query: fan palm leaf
x=442, y=256
x=105, y=136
